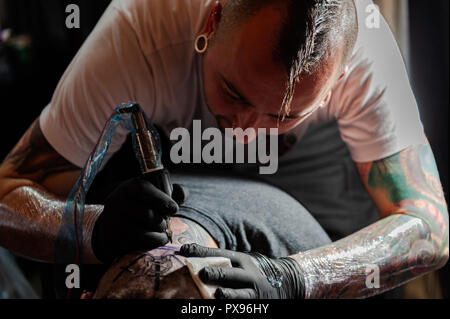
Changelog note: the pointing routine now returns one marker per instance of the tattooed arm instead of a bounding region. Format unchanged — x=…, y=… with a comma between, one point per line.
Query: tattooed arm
x=34, y=181
x=410, y=240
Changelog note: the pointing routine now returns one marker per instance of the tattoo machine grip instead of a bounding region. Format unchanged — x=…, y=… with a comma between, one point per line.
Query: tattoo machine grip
x=161, y=179
x=147, y=149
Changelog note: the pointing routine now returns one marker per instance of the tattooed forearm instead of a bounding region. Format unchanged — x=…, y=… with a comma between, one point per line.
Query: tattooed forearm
x=34, y=158
x=32, y=198
x=409, y=184
x=29, y=222
x=411, y=240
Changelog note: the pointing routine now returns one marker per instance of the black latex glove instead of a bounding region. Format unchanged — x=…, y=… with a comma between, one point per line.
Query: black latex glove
x=253, y=276
x=134, y=217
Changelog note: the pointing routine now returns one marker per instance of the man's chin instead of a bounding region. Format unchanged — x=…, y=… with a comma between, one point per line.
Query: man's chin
x=240, y=138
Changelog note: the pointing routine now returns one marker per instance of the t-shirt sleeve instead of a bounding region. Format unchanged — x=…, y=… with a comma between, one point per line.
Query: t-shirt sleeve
x=374, y=104
x=109, y=69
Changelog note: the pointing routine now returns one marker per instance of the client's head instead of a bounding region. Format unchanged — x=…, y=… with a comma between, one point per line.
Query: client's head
x=155, y=274
x=159, y=273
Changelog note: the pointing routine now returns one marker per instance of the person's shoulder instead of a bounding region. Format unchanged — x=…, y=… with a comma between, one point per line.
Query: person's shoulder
x=374, y=33
x=177, y=6
x=165, y=21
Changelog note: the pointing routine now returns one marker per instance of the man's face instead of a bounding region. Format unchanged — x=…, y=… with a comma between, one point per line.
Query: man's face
x=244, y=87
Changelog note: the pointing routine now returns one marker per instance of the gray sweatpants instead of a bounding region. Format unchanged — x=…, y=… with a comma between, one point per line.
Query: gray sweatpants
x=248, y=215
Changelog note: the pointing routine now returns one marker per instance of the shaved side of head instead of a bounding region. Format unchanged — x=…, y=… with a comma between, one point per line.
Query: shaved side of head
x=310, y=31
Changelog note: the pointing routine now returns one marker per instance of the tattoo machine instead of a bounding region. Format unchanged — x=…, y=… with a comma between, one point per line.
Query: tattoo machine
x=147, y=148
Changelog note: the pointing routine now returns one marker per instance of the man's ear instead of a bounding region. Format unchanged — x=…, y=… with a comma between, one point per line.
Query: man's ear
x=214, y=18
x=201, y=42
x=217, y=13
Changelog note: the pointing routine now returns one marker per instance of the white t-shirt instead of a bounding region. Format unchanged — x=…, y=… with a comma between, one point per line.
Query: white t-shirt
x=143, y=51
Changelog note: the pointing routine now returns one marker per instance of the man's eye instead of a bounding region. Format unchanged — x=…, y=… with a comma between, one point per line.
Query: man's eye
x=232, y=96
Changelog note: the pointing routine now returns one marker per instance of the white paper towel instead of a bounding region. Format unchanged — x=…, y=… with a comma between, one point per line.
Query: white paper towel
x=195, y=264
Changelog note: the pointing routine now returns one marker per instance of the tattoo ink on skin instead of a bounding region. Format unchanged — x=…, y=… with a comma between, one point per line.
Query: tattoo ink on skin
x=160, y=261
x=410, y=240
x=34, y=158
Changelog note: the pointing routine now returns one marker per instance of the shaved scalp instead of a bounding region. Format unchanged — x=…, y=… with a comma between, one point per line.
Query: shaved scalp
x=310, y=31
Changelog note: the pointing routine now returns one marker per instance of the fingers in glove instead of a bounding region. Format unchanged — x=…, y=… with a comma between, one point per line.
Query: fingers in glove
x=151, y=196
x=226, y=277
x=195, y=250
x=158, y=225
x=152, y=240
x=147, y=241
x=179, y=193
x=146, y=219
x=228, y=293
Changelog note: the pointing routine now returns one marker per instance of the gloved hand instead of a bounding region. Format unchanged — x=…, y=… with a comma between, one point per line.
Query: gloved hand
x=253, y=276
x=134, y=217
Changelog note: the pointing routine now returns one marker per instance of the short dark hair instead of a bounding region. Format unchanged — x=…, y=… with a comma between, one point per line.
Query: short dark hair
x=309, y=30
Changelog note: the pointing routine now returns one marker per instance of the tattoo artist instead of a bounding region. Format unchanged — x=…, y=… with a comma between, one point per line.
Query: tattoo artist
x=244, y=64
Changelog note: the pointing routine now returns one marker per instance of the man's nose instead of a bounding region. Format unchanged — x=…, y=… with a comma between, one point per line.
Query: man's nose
x=248, y=119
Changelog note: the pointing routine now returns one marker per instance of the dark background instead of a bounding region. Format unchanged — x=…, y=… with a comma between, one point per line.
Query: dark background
x=429, y=77
x=27, y=86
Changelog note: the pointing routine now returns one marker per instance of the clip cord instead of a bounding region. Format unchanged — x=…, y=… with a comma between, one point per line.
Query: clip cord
x=68, y=244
